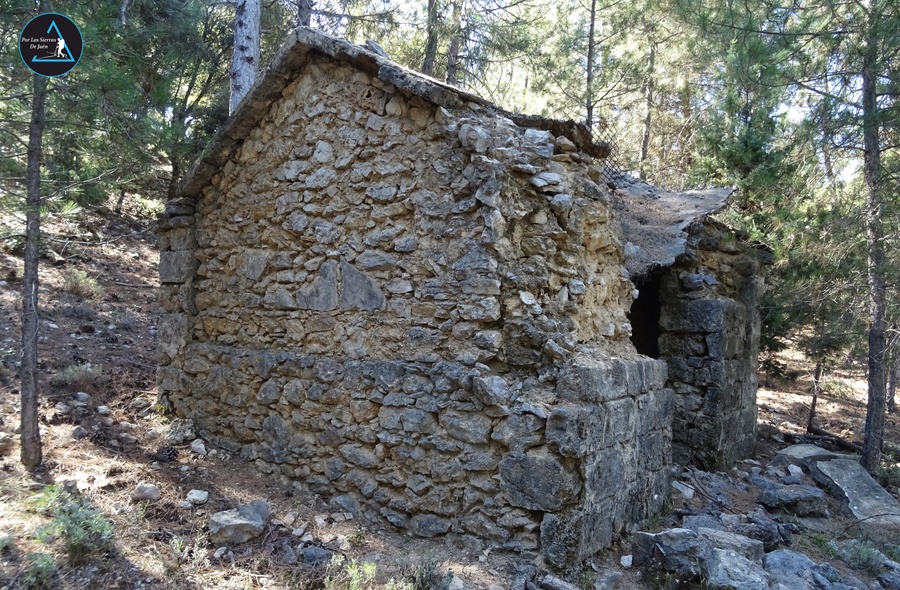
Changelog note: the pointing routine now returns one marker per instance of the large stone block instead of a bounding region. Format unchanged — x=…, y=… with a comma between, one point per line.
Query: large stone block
x=567, y=428
x=693, y=315
x=605, y=472
x=428, y=525
x=254, y=263
x=519, y=431
x=358, y=290
x=177, y=267
x=655, y=410
x=322, y=294
x=467, y=426
x=589, y=379
x=181, y=238
x=538, y=481
x=560, y=539
x=621, y=422
x=174, y=333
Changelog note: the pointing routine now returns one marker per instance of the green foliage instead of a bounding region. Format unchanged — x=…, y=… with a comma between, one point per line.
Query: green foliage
x=6, y=541
x=185, y=550
x=889, y=477
x=836, y=388
x=80, y=283
x=150, y=100
x=69, y=209
x=393, y=584
x=863, y=556
x=427, y=575
x=343, y=574
x=81, y=528
x=39, y=571
x=892, y=551
x=86, y=377
x=148, y=206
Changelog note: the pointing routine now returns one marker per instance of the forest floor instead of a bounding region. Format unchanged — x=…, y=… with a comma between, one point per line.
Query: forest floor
x=97, y=336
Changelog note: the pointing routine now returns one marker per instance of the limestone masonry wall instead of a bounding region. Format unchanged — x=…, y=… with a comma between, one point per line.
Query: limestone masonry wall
x=419, y=313
x=710, y=328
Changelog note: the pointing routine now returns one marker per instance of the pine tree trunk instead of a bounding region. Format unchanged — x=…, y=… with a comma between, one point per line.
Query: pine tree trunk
x=817, y=376
x=456, y=42
x=874, y=435
x=172, y=192
x=304, y=12
x=892, y=386
x=431, y=39
x=648, y=116
x=589, y=82
x=687, y=129
x=31, y=436
x=120, y=201
x=245, y=61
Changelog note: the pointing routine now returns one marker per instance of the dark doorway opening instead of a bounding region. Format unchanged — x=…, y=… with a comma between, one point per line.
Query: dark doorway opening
x=644, y=314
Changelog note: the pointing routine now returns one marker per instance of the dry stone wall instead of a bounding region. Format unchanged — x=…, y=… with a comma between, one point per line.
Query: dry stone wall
x=419, y=313
x=710, y=330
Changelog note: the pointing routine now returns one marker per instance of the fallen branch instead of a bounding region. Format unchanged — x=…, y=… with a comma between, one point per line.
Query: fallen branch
x=817, y=434
x=133, y=286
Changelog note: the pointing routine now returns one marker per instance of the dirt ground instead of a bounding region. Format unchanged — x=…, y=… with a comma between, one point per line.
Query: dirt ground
x=98, y=336
x=784, y=406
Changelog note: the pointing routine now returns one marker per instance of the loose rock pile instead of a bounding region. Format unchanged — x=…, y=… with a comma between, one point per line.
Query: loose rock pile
x=721, y=544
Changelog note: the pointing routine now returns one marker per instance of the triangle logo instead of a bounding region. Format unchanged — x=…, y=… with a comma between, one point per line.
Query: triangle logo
x=51, y=44
x=62, y=54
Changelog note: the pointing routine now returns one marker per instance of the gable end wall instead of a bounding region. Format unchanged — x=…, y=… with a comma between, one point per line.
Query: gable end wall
x=420, y=315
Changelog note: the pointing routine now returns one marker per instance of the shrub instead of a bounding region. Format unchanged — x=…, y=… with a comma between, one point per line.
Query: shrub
x=39, y=570
x=80, y=311
x=78, y=282
x=863, y=556
x=84, y=377
x=81, y=527
x=838, y=389
x=343, y=575
x=427, y=576
x=889, y=477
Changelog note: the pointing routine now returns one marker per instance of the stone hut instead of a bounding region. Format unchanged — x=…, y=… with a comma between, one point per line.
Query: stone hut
x=417, y=305
x=699, y=283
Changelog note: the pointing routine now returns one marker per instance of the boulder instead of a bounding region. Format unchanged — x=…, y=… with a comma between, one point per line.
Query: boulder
x=6, y=442
x=890, y=580
x=877, y=512
x=750, y=549
x=197, y=497
x=728, y=569
x=145, y=491
x=239, y=525
x=678, y=551
x=316, y=555
x=802, y=455
x=799, y=499
x=789, y=568
x=554, y=583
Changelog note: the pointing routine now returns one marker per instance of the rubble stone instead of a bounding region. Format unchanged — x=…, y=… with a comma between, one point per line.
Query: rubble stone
x=239, y=525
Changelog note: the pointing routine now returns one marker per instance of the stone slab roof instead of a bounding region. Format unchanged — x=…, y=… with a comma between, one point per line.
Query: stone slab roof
x=293, y=55
x=655, y=221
